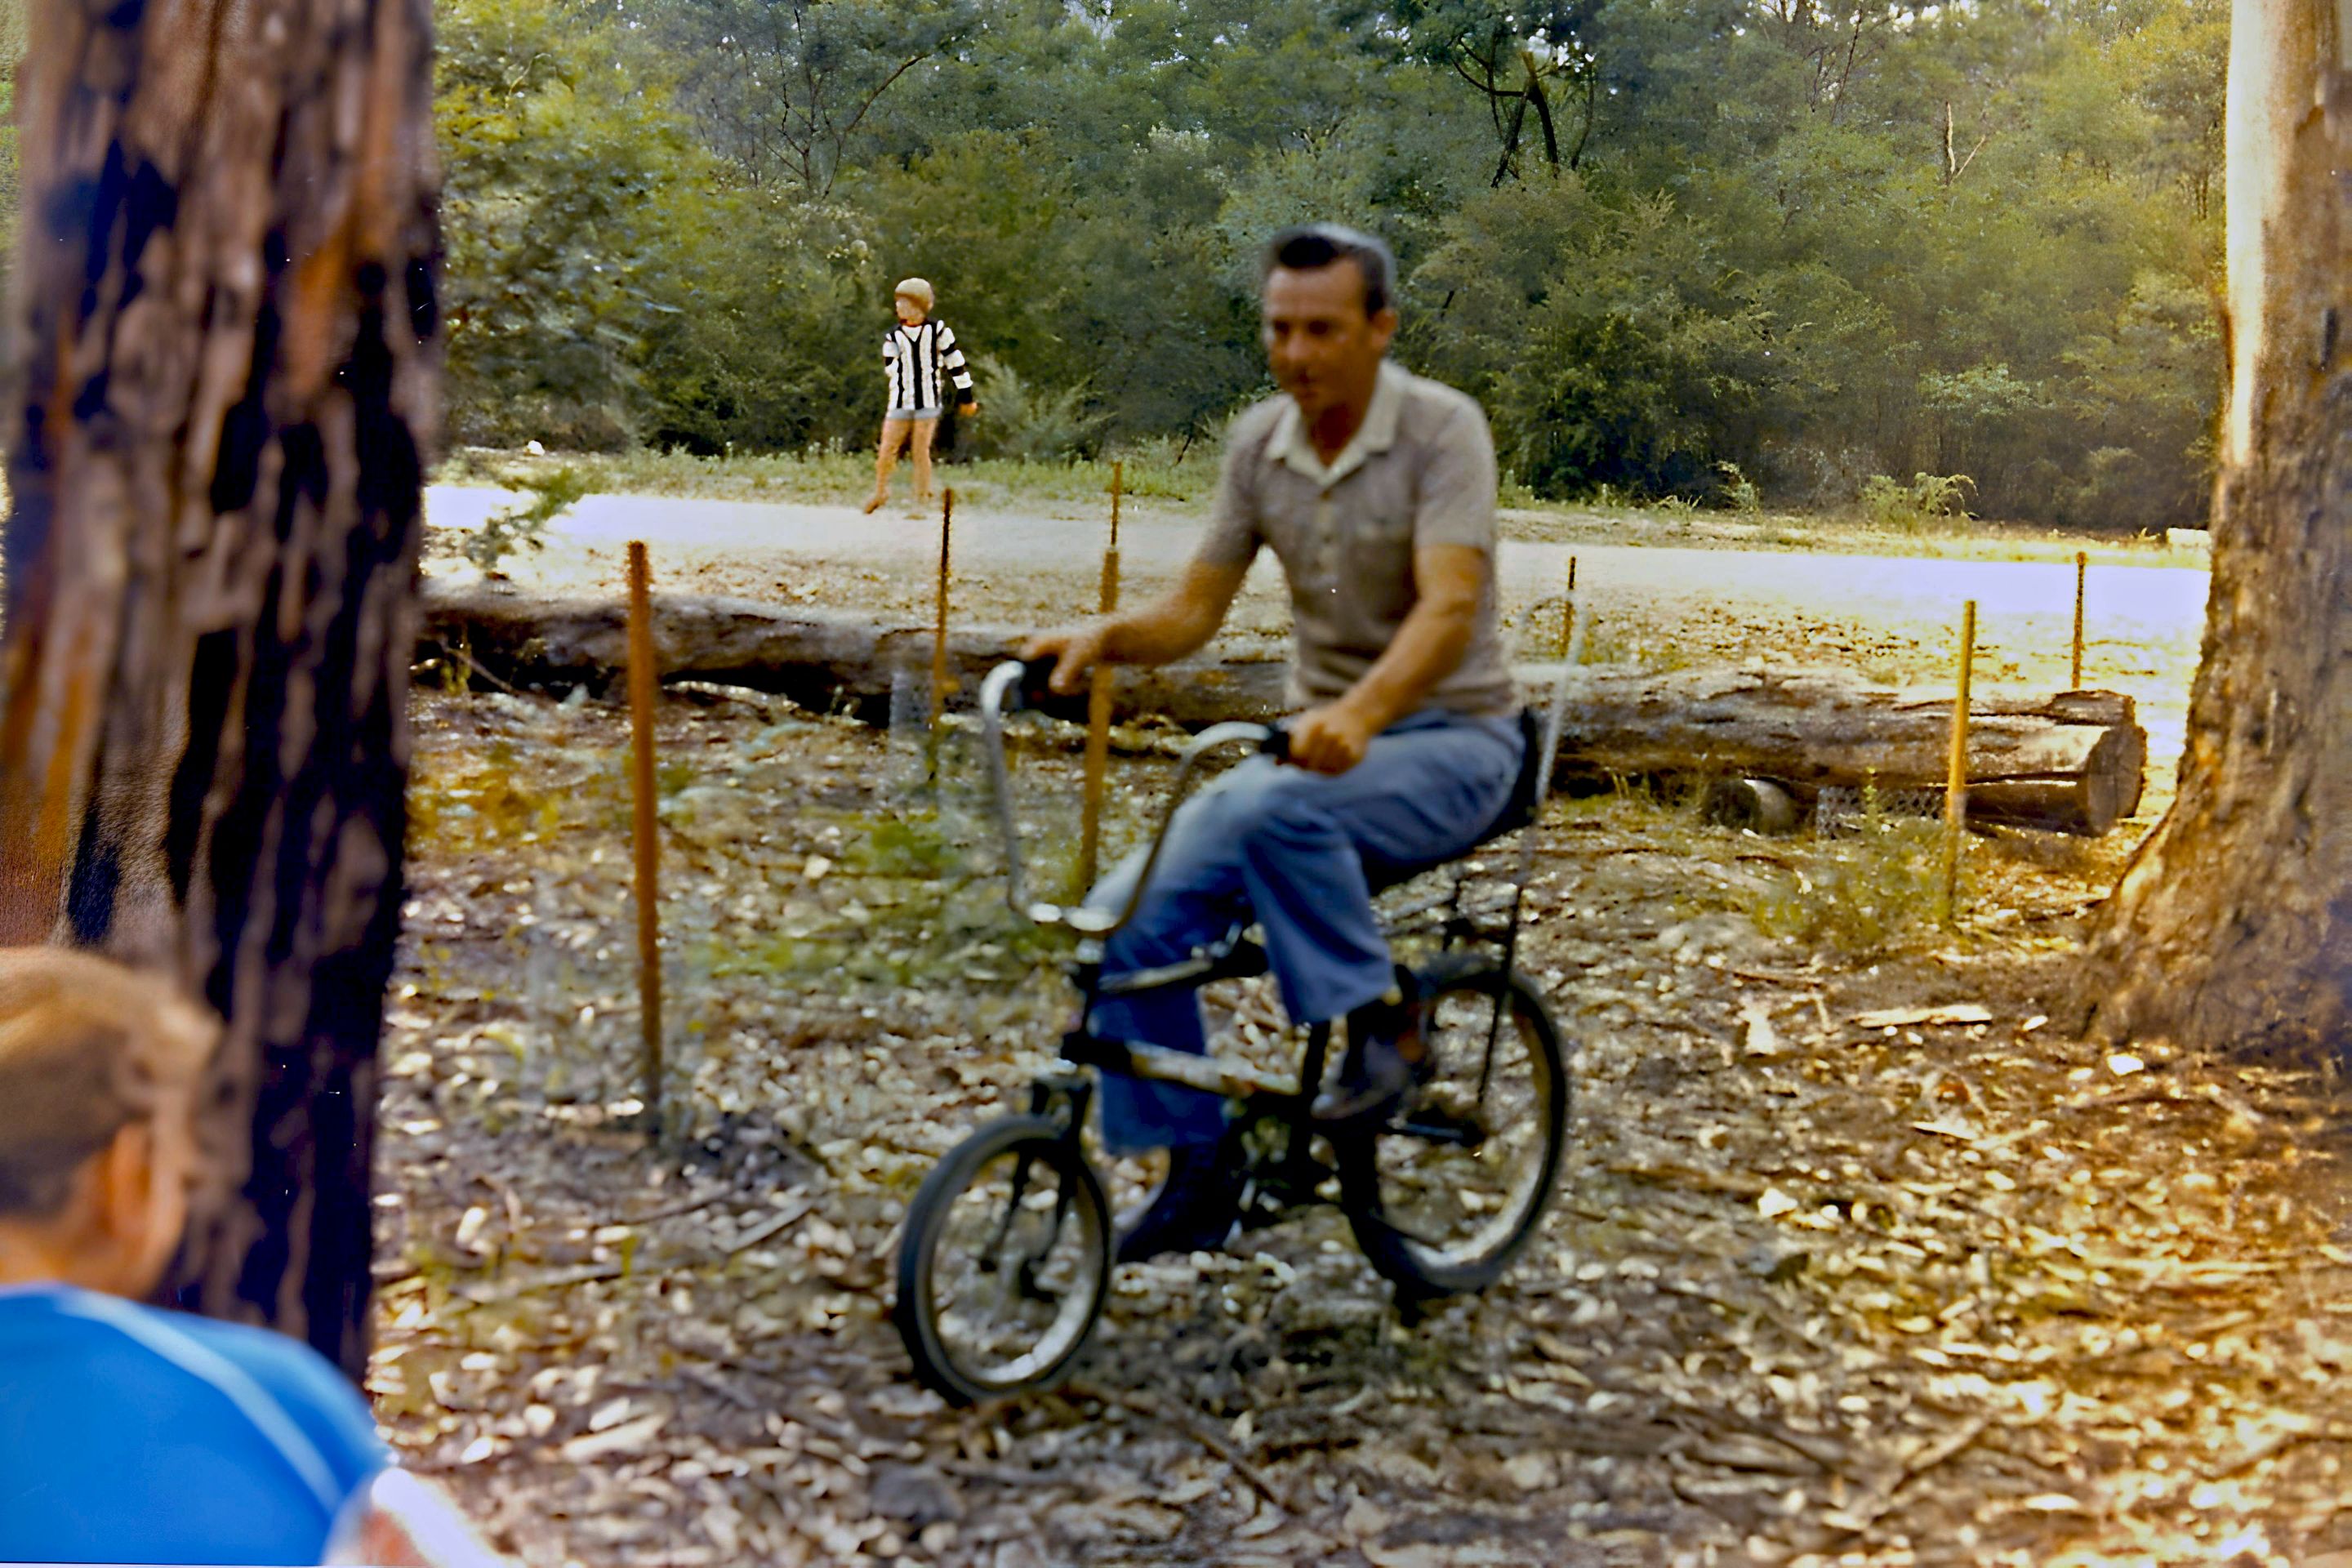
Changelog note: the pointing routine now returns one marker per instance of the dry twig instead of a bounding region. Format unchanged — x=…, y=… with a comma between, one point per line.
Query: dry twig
x=1144, y=1405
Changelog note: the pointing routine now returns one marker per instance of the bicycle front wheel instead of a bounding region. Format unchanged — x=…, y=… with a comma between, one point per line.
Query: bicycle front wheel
x=1445, y=1192
x=1006, y=1263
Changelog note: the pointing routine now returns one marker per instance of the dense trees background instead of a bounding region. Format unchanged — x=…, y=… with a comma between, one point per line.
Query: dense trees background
x=1813, y=241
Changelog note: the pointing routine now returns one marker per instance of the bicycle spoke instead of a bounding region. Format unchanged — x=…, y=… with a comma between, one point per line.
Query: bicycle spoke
x=1015, y=1273
x=1457, y=1173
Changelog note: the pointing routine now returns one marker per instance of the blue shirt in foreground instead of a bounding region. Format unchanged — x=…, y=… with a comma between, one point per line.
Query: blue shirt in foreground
x=133, y=1434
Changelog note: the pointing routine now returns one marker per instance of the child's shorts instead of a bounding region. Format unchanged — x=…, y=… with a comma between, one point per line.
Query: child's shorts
x=913, y=413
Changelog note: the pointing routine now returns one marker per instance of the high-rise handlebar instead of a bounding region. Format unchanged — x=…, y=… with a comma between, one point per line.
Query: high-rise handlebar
x=1015, y=684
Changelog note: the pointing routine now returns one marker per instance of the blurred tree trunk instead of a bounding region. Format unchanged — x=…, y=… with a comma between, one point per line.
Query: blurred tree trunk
x=2234, y=924
x=225, y=357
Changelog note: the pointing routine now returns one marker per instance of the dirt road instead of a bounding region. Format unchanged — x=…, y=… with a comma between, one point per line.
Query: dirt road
x=2020, y=602
x=1663, y=606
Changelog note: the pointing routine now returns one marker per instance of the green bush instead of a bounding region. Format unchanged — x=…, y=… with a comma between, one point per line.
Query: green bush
x=1740, y=491
x=553, y=493
x=1028, y=423
x=1929, y=501
x=1860, y=885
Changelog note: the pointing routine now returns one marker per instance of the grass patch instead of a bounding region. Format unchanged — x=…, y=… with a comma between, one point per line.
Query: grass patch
x=1159, y=470
x=1860, y=886
x=462, y=803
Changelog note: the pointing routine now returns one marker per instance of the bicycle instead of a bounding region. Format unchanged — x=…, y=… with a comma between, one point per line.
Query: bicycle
x=1006, y=1258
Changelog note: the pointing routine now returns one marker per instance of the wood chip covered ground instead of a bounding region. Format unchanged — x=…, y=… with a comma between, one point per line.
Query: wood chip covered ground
x=1858, y=1256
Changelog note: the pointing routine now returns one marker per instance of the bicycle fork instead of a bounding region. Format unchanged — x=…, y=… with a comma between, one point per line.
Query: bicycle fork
x=1061, y=1100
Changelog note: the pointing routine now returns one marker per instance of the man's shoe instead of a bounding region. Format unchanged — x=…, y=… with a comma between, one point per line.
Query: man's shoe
x=1372, y=1081
x=1386, y=1058
x=1197, y=1207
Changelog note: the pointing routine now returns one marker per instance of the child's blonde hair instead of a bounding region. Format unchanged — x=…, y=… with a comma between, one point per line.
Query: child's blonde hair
x=914, y=288
x=87, y=1048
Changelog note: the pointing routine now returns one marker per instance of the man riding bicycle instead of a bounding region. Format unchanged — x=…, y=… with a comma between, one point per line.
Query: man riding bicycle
x=1375, y=489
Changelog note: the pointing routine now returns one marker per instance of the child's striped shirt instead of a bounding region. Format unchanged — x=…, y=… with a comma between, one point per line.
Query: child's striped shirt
x=918, y=359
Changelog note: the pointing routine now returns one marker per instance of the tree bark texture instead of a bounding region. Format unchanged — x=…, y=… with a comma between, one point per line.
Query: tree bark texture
x=2232, y=925
x=2071, y=762
x=224, y=378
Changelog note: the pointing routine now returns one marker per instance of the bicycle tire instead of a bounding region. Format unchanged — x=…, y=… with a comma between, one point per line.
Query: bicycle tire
x=1419, y=1189
x=958, y=1355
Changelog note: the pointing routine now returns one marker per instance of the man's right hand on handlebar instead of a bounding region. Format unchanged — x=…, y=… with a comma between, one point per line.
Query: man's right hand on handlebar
x=1075, y=649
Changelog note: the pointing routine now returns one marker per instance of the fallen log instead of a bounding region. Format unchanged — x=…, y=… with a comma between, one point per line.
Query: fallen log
x=823, y=659
x=2071, y=763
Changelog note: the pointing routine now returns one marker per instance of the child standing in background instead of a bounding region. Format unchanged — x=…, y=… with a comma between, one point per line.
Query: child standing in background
x=921, y=358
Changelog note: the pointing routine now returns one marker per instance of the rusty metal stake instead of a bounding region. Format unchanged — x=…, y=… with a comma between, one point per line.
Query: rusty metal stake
x=1955, y=770
x=940, y=628
x=643, y=679
x=2081, y=562
x=1567, y=609
x=1098, y=712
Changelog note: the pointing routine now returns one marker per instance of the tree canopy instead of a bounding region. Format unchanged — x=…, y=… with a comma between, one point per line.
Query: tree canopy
x=1668, y=243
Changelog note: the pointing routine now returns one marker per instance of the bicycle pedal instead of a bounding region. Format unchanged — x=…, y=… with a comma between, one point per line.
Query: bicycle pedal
x=1270, y=1202
x=1439, y=1126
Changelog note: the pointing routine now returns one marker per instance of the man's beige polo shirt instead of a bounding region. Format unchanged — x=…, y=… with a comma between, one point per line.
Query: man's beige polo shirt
x=1420, y=471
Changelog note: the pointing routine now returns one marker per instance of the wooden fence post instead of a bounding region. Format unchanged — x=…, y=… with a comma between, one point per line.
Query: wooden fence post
x=1567, y=609
x=1955, y=773
x=940, y=628
x=2074, y=680
x=1098, y=712
x=642, y=681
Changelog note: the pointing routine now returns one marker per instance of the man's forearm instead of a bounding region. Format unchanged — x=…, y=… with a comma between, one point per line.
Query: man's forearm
x=1428, y=647
x=1178, y=622
x=1431, y=640
x=1168, y=627
x=1160, y=633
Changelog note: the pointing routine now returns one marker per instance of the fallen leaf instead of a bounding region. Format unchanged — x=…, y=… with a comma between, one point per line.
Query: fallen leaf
x=1906, y=1017
x=1363, y=1520
x=626, y=1438
x=1529, y=1472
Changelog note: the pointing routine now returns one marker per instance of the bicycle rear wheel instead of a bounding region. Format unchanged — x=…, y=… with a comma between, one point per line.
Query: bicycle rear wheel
x=1445, y=1194
x=1004, y=1264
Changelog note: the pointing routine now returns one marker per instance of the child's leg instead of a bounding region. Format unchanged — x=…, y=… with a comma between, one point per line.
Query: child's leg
x=924, y=430
x=893, y=433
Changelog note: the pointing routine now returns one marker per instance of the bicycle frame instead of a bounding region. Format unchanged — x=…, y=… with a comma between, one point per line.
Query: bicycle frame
x=999, y=1298
x=1236, y=957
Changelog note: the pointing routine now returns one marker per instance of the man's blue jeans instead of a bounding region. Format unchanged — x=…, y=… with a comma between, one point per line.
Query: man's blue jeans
x=1290, y=848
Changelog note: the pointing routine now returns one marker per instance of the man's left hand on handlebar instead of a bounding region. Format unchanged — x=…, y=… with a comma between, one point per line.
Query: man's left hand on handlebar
x=1330, y=739
x=1075, y=649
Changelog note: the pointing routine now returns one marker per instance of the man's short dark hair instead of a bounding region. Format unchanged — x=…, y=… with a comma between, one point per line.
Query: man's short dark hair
x=1317, y=244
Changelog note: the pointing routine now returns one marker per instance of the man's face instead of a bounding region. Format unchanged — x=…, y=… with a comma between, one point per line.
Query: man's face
x=1321, y=346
